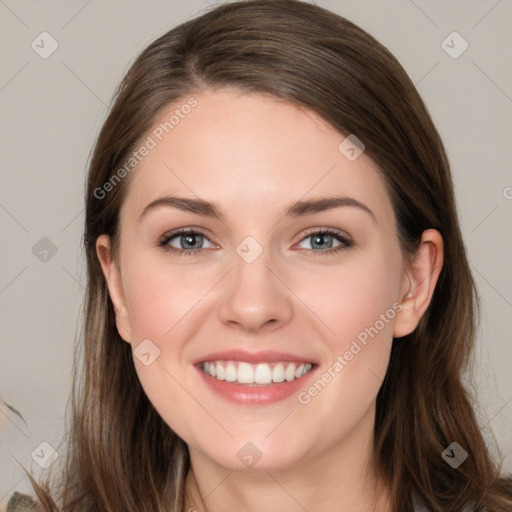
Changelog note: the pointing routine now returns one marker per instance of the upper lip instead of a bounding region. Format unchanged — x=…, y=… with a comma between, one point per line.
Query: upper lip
x=262, y=356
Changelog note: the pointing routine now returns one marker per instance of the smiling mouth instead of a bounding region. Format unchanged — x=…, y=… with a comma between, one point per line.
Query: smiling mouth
x=259, y=374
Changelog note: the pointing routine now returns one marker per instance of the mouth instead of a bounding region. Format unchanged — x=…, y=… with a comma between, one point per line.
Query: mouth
x=256, y=374
x=255, y=377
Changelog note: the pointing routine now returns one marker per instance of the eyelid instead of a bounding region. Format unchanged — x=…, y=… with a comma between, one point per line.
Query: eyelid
x=326, y=230
x=344, y=238
x=183, y=231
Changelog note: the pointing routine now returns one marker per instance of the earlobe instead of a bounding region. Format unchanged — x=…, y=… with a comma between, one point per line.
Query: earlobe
x=421, y=276
x=113, y=278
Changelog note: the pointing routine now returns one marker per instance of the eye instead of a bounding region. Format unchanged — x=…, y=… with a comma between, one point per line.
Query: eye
x=188, y=241
x=322, y=239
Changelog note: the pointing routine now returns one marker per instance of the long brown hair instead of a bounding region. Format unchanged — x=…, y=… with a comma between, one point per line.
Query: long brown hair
x=120, y=454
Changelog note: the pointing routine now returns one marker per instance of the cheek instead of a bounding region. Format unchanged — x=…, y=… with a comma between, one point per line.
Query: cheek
x=159, y=297
x=162, y=301
x=357, y=306
x=353, y=298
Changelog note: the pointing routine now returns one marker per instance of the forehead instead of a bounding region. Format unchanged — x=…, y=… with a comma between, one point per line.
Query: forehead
x=248, y=150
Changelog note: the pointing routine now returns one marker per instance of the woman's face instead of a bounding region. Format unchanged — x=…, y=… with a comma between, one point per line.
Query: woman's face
x=262, y=282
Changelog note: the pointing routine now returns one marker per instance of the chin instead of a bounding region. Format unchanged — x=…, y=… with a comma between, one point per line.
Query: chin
x=255, y=456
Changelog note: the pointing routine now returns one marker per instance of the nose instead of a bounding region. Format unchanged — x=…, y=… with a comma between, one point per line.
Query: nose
x=254, y=296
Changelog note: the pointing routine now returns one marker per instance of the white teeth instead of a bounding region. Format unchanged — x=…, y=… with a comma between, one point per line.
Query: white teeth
x=262, y=373
x=289, y=373
x=231, y=373
x=221, y=373
x=245, y=373
x=278, y=373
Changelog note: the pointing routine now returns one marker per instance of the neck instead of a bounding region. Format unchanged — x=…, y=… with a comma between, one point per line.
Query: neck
x=340, y=478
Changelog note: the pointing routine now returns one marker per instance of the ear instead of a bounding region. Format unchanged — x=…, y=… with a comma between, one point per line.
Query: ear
x=115, y=287
x=419, y=282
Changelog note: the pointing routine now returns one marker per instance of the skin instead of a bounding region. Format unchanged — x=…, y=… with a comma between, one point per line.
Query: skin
x=254, y=155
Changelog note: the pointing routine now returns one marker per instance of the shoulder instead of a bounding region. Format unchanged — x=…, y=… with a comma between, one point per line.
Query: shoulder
x=21, y=503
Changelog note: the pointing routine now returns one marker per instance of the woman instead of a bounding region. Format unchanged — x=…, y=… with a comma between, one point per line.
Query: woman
x=262, y=369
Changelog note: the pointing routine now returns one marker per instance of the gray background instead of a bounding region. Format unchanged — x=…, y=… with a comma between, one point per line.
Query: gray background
x=51, y=112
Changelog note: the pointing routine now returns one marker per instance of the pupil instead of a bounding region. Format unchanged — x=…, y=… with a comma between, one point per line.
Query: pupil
x=318, y=239
x=188, y=239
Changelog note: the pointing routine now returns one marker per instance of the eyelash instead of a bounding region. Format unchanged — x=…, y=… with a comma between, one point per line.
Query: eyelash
x=347, y=243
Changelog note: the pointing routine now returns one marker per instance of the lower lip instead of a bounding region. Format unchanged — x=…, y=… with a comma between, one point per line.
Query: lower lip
x=255, y=394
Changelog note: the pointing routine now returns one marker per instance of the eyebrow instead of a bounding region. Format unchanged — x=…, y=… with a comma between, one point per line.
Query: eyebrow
x=299, y=208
